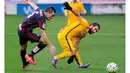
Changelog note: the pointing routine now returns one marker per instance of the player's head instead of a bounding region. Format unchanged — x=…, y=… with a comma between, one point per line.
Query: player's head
x=50, y=12
x=74, y=0
x=94, y=27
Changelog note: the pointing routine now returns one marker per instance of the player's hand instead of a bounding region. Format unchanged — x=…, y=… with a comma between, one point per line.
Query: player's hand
x=73, y=52
x=27, y=1
x=67, y=6
x=52, y=49
x=83, y=34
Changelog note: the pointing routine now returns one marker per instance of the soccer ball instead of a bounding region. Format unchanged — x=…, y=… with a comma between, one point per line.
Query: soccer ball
x=112, y=67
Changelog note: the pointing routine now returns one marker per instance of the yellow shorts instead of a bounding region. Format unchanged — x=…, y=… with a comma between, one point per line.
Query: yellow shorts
x=66, y=34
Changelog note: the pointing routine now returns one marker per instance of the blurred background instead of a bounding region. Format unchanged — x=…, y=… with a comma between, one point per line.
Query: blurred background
x=13, y=7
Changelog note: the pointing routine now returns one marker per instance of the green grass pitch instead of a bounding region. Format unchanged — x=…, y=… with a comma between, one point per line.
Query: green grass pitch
x=108, y=45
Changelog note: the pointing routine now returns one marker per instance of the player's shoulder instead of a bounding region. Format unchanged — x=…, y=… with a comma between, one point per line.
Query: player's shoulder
x=83, y=19
x=37, y=9
x=38, y=12
x=69, y=2
x=80, y=3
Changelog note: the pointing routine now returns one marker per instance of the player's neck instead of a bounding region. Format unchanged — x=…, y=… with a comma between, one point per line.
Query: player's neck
x=74, y=2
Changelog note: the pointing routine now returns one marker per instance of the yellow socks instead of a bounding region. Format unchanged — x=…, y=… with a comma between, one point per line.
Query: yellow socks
x=78, y=58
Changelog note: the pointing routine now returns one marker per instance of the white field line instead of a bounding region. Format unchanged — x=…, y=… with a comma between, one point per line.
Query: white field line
x=112, y=34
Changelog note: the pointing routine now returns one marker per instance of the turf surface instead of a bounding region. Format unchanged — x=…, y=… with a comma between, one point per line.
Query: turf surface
x=108, y=45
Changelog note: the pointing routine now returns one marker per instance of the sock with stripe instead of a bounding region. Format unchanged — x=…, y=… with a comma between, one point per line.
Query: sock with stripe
x=37, y=49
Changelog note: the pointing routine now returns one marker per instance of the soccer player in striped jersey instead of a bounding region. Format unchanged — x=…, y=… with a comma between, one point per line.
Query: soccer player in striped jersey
x=25, y=31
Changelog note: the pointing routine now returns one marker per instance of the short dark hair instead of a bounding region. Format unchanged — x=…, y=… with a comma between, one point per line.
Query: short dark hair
x=50, y=9
x=96, y=24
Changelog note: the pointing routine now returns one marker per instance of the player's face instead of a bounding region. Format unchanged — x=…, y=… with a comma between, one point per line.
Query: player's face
x=94, y=29
x=50, y=15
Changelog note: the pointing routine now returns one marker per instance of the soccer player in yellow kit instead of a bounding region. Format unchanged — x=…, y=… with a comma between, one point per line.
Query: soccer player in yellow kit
x=77, y=7
x=70, y=36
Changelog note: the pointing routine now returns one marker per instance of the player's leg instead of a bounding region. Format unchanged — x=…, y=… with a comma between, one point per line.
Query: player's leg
x=23, y=45
x=22, y=54
x=76, y=57
x=62, y=55
x=38, y=48
x=71, y=59
x=65, y=41
x=79, y=62
x=65, y=53
x=35, y=38
x=66, y=45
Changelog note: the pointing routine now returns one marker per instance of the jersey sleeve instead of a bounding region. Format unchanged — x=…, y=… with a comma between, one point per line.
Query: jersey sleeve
x=41, y=24
x=66, y=12
x=82, y=8
x=38, y=9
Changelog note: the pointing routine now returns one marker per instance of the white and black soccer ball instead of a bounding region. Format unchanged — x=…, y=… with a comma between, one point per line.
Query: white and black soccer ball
x=112, y=67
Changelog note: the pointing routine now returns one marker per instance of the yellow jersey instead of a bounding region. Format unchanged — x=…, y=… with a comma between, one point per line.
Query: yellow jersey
x=77, y=7
x=84, y=27
x=76, y=29
x=83, y=30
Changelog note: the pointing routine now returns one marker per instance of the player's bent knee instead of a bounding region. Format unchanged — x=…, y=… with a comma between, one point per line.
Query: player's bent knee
x=24, y=46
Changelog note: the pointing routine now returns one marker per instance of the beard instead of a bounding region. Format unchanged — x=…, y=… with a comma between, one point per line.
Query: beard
x=90, y=31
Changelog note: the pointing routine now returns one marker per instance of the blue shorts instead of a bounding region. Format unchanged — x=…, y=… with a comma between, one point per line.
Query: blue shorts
x=25, y=36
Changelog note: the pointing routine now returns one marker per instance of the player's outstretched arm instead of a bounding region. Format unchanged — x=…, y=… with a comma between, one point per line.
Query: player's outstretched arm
x=68, y=7
x=76, y=43
x=44, y=36
x=83, y=9
x=31, y=3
